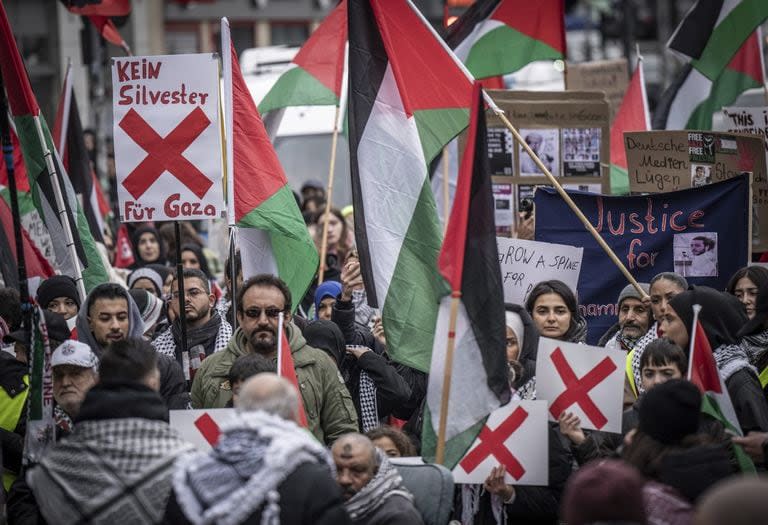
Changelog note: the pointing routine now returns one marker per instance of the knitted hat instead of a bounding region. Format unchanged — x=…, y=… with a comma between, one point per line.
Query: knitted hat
x=74, y=353
x=150, y=307
x=146, y=273
x=57, y=286
x=629, y=291
x=604, y=491
x=670, y=411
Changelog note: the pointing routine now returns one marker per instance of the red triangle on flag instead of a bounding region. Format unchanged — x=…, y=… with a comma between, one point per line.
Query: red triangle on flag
x=286, y=369
x=632, y=115
x=703, y=368
x=123, y=251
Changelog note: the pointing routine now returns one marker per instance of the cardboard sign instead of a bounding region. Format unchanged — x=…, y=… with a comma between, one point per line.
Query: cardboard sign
x=526, y=263
x=664, y=161
x=201, y=427
x=609, y=76
x=585, y=380
x=167, y=137
x=650, y=234
x=751, y=121
x=516, y=436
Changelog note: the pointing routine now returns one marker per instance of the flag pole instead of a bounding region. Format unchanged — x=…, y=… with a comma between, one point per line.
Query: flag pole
x=446, y=190
x=552, y=180
x=447, y=374
x=692, y=342
x=329, y=195
x=61, y=207
x=280, y=321
x=233, y=274
x=182, y=299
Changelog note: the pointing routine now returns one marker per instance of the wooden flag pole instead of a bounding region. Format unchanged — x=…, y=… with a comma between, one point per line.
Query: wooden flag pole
x=552, y=180
x=447, y=374
x=446, y=190
x=329, y=196
x=182, y=299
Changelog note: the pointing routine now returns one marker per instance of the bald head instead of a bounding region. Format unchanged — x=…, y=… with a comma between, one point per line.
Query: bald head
x=270, y=393
x=356, y=463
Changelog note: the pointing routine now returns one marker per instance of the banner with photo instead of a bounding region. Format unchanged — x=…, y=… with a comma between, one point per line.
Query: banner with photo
x=701, y=233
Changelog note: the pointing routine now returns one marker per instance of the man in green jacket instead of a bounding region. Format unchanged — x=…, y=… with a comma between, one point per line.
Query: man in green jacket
x=261, y=299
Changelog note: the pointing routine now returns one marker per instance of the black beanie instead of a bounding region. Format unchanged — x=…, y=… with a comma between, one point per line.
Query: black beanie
x=57, y=286
x=670, y=411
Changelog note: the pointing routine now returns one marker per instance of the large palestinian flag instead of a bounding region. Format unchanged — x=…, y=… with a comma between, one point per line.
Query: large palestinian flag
x=468, y=263
x=274, y=238
x=315, y=74
x=496, y=37
x=692, y=98
x=632, y=115
x=35, y=139
x=408, y=97
x=713, y=31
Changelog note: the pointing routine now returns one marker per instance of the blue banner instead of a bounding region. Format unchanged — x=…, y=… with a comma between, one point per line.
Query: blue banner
x=700, y=233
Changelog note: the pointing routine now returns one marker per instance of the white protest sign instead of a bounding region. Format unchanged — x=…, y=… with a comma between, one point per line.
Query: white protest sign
x=585, y=380
x=167, y=137
x=526, y=263
x=516, y=436
x=200, y=427
x=752, y=120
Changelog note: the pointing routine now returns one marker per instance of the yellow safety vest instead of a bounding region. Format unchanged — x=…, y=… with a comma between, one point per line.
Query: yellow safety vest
x=630, y=374
x=10, y=412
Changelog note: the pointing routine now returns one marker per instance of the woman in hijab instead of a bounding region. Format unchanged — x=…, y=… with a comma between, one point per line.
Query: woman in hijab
x=148, y=247
x=721, y=316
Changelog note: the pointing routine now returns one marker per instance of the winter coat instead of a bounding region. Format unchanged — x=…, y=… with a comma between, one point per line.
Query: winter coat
x=396, y=510
x=327, y=402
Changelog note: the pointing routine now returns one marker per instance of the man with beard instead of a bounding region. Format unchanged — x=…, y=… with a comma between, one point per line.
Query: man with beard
x=634, y=320
x=260, y=301
x=372, y=489
x=109, y=315
x=207, y=332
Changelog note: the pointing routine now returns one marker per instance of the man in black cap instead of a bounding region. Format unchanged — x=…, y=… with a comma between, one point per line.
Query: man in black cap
x=59, y=294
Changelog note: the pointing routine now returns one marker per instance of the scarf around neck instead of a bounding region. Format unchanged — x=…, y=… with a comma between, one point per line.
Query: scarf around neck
x=203, y=335
x=386, y=483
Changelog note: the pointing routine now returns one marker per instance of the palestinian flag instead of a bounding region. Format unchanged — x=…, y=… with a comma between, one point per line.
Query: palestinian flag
x=496, y=37
x=468, y=262
x=716, y=403
x=286, y=369
x=40, y=423
x=82, y=260
x=713, y=31
x=68, y=137
x=692, y=98
x=36, y=265
x=98, y=7
x=632, y=115
x=315, y=74
x=259, y=200
x=408, y=96
x=109, y=31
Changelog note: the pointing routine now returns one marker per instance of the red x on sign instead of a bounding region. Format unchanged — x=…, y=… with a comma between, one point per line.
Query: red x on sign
x=165, y=153
x=492, y=444
x=577, y=389
x=208, y=428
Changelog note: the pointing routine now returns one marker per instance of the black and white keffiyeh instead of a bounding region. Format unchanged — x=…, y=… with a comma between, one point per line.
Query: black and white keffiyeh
x=651, y=335
x=730, y=359
x=369, y=412
x=386, y=483
x=108, y=471
x=242, y=473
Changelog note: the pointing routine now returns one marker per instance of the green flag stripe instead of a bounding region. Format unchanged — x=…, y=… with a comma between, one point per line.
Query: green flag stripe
x=296, y=87
x=710, y=407
x=724, y=92
x=292, y=247
x=25, y=200
x=411, y=306
x=455, y=448
x=437, y=127
x=729, y=35
x=619, y=181
x=505, y=50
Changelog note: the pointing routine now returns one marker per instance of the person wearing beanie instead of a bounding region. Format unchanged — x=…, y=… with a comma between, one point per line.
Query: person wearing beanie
x=634, y=320
x=146, y=279
x=721, y=317
x=604, y=491
x=166, y=275
x=679, y=462
x=151, y=310
x=59, y=294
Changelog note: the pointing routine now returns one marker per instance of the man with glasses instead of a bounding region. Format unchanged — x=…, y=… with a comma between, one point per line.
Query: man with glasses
x=260, y=301
x=207, y=331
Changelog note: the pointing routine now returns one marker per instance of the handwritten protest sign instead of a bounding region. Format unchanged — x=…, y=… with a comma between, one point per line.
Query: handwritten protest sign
x=585, y=380
x=202, y=428
x=167, y=137
x=700, y=232
x=753, y=121
x=663, y=161
x=516, y=436
x=609, y=76
x=525, y=263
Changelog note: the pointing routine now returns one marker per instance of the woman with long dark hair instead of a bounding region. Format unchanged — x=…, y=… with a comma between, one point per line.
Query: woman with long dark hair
x=555, y=312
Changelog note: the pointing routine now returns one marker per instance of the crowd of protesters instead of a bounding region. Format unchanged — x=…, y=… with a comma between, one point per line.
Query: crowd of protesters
x=119, y=365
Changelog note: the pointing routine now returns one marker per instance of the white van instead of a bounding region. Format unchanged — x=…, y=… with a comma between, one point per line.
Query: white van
x=304, y=136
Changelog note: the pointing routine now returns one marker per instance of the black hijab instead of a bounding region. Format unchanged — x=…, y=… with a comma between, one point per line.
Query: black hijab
x=721, y=315
x=161, y=258
x=326, y=336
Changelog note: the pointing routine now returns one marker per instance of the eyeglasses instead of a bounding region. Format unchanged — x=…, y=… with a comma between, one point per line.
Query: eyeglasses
x=255, y=312
x=191, y=292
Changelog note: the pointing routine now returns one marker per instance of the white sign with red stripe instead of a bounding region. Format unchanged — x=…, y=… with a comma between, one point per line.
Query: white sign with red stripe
x=201, y=427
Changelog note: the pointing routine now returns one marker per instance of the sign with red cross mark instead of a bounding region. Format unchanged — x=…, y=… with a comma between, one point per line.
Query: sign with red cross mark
x=587, y=381
x=202, y=428
x=167, y=136
x=515, y=436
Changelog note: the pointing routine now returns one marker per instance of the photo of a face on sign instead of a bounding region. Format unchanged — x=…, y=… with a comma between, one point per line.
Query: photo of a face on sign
x=695, y=254
x=700, y=175
x=546, y=144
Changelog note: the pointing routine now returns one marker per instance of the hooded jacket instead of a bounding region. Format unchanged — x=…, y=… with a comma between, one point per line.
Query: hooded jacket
x=84, y=334
x=327, y=402
x=722, y=316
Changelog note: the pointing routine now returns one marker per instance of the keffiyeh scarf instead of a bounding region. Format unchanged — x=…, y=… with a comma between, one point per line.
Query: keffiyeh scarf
x=369, y=412
x=651, y=335
x=386, y=483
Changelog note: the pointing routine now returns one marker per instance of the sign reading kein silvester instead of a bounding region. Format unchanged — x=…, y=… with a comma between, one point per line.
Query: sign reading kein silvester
x=700, y=233
x=167, y=137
